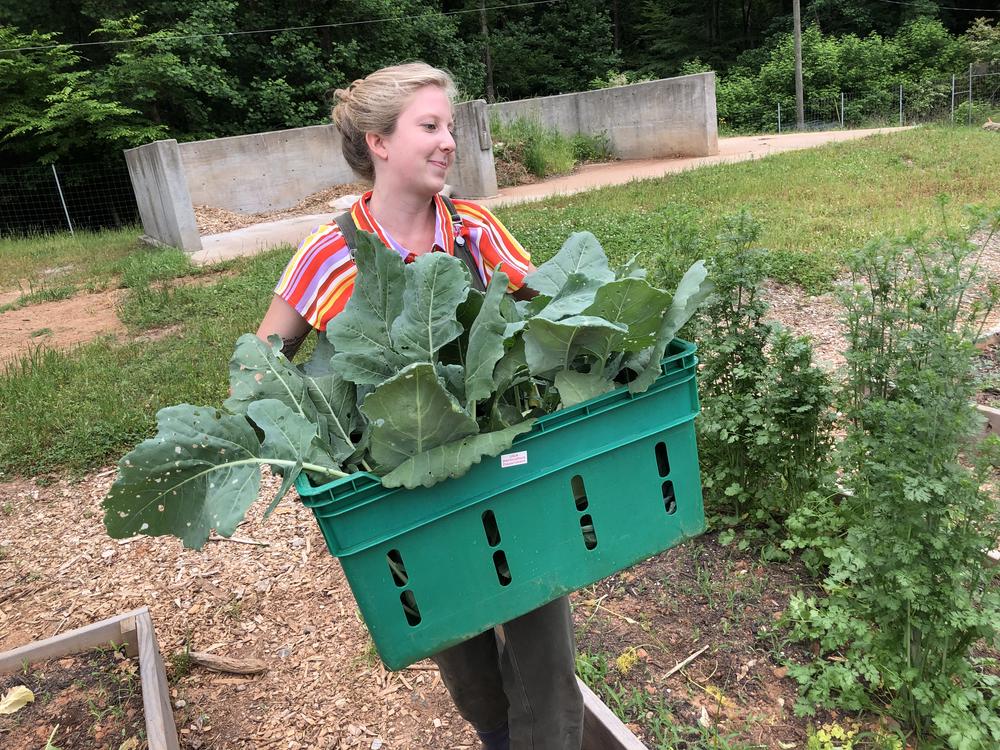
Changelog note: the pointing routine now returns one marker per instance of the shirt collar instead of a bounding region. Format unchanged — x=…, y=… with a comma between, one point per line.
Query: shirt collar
x=444, y=231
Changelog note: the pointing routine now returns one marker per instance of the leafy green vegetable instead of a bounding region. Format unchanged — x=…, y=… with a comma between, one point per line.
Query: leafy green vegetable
x=417, y=379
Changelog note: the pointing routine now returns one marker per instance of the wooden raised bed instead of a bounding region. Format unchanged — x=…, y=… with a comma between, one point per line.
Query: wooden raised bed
x=135, y=631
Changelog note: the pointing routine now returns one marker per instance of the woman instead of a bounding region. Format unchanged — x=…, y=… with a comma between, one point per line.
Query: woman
x=396, y=130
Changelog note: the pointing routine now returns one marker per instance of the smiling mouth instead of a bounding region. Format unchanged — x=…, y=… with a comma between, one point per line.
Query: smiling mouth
x=441, y=164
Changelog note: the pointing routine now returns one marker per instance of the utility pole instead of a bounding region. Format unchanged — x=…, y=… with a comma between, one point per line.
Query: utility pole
x=800, y=115
x=490, y=95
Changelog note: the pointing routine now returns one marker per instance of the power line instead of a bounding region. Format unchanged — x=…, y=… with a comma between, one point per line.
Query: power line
x=366, y=22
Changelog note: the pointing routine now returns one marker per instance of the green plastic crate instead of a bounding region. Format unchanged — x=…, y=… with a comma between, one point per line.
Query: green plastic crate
x=590, y=490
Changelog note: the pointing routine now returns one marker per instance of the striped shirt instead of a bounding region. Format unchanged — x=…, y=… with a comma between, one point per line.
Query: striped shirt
x=319, y=278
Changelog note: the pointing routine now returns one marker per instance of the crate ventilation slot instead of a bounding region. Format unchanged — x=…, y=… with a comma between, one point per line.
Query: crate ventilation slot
x=410, y=608
x=396, y=567
x=669, y=498
x=491, y=528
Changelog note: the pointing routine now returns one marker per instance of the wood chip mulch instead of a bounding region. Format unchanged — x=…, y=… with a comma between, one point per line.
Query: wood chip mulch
x=284, y=601
x=212, y=220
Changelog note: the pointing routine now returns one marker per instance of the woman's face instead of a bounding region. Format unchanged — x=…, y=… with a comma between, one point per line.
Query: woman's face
x=417, y=155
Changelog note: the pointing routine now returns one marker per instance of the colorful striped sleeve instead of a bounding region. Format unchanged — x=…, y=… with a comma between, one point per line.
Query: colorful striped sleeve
x=319, y=278
x=495, y=243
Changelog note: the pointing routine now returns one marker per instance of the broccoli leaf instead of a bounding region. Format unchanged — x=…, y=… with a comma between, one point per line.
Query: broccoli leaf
x=553, y=345
x=436, y=284
x=694, y=289
x=259, y=371
x=201, y=471
x=361, y=333
x=575, y=387
x=582, y=254
x=634, y=303
x=452, y=459
x=412, y=412
x=486, y=339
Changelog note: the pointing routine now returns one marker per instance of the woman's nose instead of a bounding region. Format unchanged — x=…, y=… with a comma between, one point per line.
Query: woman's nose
x=448, y=141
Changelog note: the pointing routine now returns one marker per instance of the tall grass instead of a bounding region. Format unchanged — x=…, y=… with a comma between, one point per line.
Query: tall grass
x=524, y=147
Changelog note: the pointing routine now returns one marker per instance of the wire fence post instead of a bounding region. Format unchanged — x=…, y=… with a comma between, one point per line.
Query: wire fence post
x=953, y=100
x=970, y=93
x=61, y=199
x=841, y=109
x=779, y=117
x=900, y=105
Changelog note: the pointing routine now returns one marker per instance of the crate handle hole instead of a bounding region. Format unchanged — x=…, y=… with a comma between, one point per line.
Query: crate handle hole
x=669, y=498
x=491, y=528
x=579, y=492
x=410, y=608
x=503, y=570
x=662, y=461
x=589, y=534
x=396, y=567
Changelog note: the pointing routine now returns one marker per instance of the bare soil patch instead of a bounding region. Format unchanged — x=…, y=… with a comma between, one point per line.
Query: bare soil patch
x=91, y=700
x=61, y=324
x=66, y=323
x=212, y=220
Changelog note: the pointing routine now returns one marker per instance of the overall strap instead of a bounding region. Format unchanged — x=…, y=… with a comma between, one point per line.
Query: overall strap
x=345, y=222
x=462, y=251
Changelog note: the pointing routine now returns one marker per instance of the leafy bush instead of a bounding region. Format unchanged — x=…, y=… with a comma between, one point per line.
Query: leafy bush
x=764, y=433
x=909, y=592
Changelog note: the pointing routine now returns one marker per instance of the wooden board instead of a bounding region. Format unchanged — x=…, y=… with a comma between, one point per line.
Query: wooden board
x=135, y=630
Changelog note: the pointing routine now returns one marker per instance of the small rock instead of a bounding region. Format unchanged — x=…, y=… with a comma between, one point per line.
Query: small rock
x=180, y=704
x=376, y=744
x=437, y=723
x=284, y=652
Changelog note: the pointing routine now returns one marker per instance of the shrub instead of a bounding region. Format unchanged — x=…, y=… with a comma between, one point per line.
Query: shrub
x=764, y=432
x=909, y=592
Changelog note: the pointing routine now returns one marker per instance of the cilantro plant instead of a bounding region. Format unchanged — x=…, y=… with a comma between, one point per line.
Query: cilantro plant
x=417, y=379
x=764, y=434
x=909, y=592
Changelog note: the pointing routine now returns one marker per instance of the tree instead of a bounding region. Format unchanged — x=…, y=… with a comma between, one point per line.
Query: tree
x=51, y=108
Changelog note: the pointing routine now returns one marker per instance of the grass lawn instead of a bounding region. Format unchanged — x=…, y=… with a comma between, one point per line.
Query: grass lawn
x=85, y=408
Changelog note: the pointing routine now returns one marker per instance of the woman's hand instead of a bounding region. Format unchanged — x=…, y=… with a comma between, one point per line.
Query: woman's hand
x=285, y=321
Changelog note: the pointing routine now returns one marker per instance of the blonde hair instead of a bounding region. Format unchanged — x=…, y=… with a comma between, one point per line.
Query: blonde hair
x=373, y=105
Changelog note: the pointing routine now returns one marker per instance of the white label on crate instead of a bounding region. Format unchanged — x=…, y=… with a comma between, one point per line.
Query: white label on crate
x=513, y=459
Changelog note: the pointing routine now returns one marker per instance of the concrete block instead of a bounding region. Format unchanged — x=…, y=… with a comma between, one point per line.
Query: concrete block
x=161, y=191
x=474, y=174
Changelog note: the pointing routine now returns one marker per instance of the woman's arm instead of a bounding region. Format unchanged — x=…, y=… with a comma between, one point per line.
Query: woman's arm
x=283, y=319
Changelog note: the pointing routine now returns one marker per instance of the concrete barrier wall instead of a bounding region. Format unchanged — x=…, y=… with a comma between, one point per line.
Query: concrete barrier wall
x=264, y=171
x=275, y=170
x=669, y=117
x=161, y=192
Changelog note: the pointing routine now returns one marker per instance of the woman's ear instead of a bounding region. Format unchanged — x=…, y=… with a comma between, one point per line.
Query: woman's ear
x=376, y=144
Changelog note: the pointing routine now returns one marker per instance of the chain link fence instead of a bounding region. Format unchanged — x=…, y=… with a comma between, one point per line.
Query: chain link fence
x=66, y=197
x=963, y=100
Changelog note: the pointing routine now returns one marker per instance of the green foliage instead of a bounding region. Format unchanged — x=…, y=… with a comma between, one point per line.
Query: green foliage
x=764, y=432
x=524, y=145
x=921, y=57
x=908, y=592
x=50, y=108
x=386, y=391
